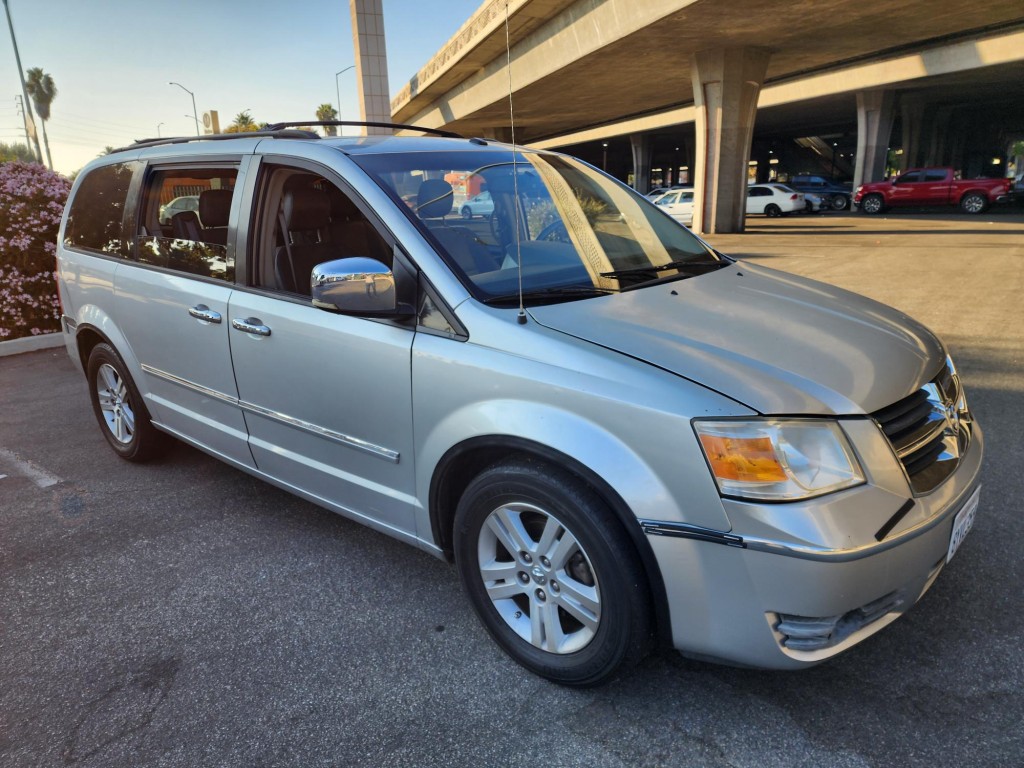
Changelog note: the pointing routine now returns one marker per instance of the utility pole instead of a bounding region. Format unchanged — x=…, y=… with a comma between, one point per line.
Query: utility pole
x=24, y=94
x=24, y=124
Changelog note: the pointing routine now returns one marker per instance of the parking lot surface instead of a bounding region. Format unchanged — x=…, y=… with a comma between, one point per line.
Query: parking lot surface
x=182, y=613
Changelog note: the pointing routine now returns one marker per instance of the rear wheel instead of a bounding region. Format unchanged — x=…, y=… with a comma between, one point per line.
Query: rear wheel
x=872, y=204
x=772, y=210
x=119, y=409
x=974, y=202
x=551, y=573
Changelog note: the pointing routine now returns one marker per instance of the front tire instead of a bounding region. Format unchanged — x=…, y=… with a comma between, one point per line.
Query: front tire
x=872, y=204
x=974, y=202
x=119, y=409
x=467, y=212
x=551, y=574
x=840, y=203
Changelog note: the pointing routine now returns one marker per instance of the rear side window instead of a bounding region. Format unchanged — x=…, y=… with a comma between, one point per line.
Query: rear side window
x=97, y=212
x=183, y=221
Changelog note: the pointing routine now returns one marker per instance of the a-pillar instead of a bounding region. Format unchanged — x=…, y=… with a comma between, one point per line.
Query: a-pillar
x=874, y=125
x=641, y=144
x=726, y=85
x=371, y=64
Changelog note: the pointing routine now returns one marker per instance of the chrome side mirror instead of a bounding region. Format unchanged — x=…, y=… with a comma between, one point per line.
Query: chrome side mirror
x=357, y=285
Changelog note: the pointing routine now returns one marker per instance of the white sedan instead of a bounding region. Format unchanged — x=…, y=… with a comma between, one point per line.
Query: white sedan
x=478, y=205
x=773, y=199
x=677, y=203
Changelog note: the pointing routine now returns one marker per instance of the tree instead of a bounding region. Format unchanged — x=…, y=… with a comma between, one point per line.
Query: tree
x=42, y=91
x=17, y=151
x=327, y=112
x=243, y=124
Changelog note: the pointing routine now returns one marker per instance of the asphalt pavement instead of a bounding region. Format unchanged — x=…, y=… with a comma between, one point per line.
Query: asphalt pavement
x=182, y=613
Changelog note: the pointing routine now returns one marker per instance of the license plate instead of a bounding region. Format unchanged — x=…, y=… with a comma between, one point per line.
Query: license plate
x=962, y=524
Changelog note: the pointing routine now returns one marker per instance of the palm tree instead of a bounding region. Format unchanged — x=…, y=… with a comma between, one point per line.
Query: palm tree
x=42, y=91
x=327, y=112
x=243, y=123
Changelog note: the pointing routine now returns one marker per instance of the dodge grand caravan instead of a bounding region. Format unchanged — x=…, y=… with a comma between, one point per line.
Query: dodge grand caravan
x=618, y=435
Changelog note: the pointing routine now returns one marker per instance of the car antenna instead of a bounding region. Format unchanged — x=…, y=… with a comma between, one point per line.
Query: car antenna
x=521, y=318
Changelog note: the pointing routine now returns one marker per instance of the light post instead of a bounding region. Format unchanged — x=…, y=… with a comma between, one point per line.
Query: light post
x=337, y=87
x=158, y=129
x=195, y=112
x=604, y=156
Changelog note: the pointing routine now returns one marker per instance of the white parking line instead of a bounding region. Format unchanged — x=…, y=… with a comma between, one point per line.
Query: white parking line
x=40, y=477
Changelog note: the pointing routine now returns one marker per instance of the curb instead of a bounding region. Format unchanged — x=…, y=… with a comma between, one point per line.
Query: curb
x=31, y=344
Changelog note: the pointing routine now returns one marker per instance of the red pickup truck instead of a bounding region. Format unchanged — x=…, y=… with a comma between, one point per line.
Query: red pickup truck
x=932, y=186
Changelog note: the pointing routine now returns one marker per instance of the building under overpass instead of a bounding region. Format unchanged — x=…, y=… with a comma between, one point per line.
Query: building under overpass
x=717, y=92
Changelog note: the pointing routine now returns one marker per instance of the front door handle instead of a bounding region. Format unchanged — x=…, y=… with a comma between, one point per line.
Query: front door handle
x=251, y=325
x=204, y=313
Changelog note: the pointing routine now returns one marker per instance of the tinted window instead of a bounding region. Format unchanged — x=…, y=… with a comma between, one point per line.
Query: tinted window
x=183, y=222
x=97, y=212
x=934, y=176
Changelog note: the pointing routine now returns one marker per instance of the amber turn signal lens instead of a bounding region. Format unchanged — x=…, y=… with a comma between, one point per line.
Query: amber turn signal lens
x=747, y=460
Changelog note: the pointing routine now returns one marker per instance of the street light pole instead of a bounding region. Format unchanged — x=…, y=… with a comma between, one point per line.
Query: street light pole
x=337, y=87
x=158, y=129
x=195, y=112
x=24, y=93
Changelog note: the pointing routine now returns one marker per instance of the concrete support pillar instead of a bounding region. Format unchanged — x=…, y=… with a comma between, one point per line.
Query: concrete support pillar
x=939, y=130
x=912, y=117
x=874, y=125
x=502, y=134
x=641, y=145
x=726, y=84
x=371, y=64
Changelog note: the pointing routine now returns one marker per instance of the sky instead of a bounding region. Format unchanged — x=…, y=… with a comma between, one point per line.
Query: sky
x=112, y=60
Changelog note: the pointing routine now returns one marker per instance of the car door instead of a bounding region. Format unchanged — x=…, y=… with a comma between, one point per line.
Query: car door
x=327, y=397
x=937, y=185
x=173, y=304
x=907, y=190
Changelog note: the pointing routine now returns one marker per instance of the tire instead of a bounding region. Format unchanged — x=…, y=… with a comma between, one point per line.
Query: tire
x=119, y=409
x=581, y=617
x=974, y=202
x=772, y=210
x=467, y=212
x=840, y=203
x=872, y=204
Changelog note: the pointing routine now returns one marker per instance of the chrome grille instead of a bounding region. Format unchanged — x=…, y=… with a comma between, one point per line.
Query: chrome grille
x=929, y=429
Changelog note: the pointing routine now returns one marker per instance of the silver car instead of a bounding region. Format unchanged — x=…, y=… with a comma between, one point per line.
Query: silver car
x=620, y=436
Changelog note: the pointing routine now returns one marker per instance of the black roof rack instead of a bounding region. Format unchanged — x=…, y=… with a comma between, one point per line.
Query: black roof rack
x=401, y=126
x=267, y=133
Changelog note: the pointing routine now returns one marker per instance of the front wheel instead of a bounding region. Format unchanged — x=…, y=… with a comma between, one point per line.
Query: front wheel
x=119, y=409
x=551, y=573
x=872, y=204
x=467, y=212
x=840, y=203
x=974, y=203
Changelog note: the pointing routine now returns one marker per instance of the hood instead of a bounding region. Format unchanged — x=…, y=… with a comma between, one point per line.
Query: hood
x=775, y=342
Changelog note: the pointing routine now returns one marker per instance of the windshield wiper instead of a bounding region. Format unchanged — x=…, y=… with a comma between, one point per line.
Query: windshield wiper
x=552, y=293
x=680, y=264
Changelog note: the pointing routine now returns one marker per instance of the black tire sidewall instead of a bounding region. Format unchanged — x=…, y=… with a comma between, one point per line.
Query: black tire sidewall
x=624, y=630
x=146, y=440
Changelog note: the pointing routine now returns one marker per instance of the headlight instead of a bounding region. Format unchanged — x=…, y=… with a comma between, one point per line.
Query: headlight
x=778, y=459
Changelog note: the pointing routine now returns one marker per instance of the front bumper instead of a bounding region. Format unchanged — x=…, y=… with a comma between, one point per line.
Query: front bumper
x=741, y=598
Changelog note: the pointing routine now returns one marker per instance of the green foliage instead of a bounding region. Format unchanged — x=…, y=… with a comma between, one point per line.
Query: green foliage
x=243, y=123
x=19, y=152
x=41, y=90
x=327, y=112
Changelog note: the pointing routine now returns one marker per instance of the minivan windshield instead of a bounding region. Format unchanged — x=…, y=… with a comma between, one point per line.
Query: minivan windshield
x=576, y=232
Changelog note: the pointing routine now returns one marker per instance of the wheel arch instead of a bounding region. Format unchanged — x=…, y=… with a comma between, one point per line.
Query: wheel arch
x=464, y=461
x=975, y=191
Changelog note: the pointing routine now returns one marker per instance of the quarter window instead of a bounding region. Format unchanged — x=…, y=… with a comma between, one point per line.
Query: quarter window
x=96, y=218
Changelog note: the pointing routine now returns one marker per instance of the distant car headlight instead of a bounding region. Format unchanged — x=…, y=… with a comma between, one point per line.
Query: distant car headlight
x=778, y=459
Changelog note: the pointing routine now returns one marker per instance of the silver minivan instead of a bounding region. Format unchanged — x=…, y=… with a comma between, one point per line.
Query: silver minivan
x=620, y=436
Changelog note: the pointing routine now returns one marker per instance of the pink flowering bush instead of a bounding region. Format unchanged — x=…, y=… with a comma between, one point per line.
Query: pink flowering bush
x=31, y=204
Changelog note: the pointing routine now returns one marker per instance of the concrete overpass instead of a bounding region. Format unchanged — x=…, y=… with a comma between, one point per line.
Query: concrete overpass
x=698, y=74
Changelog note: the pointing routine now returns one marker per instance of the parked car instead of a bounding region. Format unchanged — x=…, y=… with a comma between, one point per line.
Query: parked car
x=178, y=205
x=815, y=203
x=773, y=199
x=836, y=196
x=932, y=186
x=677, y=203
x=478, y=205
x=619, y=435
